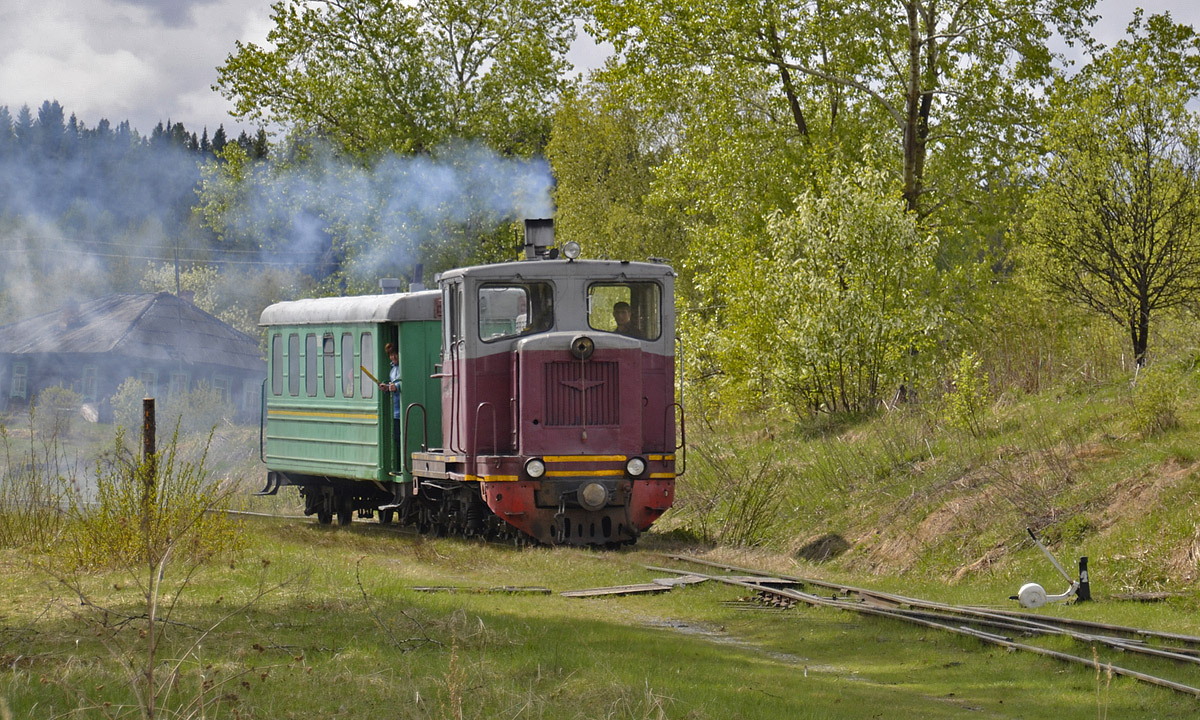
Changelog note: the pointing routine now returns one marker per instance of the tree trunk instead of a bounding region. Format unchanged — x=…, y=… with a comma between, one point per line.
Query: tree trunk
x=1139, y=331
x=912, y=100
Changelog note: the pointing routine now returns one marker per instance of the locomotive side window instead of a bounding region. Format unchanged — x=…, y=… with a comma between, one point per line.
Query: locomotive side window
x=310, y=364
x=631, y=308
x=367, y=356
x=293, y=365
x=348, y=365
x=515, y=309
x=277, y=364
x=453, y=320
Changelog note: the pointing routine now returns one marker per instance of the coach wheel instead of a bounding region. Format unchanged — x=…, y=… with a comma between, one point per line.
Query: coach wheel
x=324, y=517
x=385, y=516
x=345, y=515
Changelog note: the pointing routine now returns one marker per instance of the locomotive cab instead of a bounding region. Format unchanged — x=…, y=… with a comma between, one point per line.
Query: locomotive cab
x=558, y=401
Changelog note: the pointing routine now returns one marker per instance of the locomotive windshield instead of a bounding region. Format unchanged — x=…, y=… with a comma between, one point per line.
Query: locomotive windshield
x=628, y=308
x=511, y=309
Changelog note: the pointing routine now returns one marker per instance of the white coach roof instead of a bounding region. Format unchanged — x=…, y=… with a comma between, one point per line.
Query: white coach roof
x=355, y=309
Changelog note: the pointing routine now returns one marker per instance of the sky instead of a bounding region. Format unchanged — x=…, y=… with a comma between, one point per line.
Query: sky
x=149, y=61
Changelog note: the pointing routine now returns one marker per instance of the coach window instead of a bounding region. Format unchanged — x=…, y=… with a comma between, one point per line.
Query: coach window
x=293, y=364
x=629, y=308
x=367, y=354
x=511, y=309
x=276, y=364
x=348, y=365
x=329, y=366
x=310, y=364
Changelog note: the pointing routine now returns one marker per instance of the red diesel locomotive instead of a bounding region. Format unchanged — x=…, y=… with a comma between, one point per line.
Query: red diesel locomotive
x=557, y=415
x=558, y=393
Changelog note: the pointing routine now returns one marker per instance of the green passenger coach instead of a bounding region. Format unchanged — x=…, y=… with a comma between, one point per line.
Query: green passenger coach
x=328, y=428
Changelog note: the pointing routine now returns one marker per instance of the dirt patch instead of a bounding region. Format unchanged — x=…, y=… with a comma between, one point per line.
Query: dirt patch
x=1137, y=496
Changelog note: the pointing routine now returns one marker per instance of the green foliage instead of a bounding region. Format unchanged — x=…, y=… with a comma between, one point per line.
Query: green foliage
x=604, y=173
x=840, y=311
x=855, y=74
x=732, y=495
x=197, y=410
x=147, y=512
x=36, y=482
x=53, y=409
x=374, y=75
x=126, y=404
x=236, y=297
x=970, y=396
x=1114, y=224
x=1155, y=402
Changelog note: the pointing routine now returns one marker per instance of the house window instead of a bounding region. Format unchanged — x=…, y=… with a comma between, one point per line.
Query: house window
x=366, y=355
x=178, y=384
x=89, y=382
x=149, y=379
x=293, y=365
x=348, y=365
x=329, y=366
x=310, y=364
x=276, y=364
x=19, y=388
x=251, y=394
x=221, y=385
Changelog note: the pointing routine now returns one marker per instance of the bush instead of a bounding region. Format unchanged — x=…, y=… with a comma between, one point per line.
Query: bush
x=1155, y=403
x=194, y=411
x=732, y=496
x=968, y=401
x=53, y=410
x=150, y=509
x=35, y=483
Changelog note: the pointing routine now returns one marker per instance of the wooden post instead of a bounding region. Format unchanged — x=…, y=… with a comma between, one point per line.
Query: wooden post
x=148, y=429
x=149, y=468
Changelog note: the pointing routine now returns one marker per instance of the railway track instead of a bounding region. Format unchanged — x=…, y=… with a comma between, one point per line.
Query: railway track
x=989, y=625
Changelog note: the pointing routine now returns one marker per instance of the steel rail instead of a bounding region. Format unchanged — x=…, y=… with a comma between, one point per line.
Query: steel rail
x=903, y=600
x=1000, y=640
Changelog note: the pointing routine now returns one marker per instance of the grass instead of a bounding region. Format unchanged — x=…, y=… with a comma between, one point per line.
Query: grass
x=320, y=622
x=346, y=635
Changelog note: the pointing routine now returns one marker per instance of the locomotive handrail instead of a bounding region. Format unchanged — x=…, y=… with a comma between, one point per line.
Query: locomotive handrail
x=262, y=423
x=682, y=468
x=495, y=436
x=404, y=434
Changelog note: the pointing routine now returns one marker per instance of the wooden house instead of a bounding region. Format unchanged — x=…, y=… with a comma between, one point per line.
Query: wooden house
x=93, y=347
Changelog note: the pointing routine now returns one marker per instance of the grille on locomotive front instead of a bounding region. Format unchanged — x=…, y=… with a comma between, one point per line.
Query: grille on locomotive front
x=582, y=393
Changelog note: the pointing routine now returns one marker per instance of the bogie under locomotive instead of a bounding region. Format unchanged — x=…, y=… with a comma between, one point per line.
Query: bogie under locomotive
x=534, y=399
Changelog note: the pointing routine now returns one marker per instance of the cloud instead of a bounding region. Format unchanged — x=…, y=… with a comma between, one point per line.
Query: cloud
x=172, y=13
x=144, y=61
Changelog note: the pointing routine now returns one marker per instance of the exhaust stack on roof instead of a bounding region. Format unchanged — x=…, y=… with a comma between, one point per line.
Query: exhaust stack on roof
x=539, y=237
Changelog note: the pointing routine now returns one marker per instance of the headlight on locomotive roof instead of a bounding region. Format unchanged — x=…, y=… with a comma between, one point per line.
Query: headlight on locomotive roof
x=593, y=496
x=571, y=250
x=635, y=467
x=535, y=468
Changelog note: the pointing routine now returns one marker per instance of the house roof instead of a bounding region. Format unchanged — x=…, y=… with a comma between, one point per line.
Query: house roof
x=153, y=327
